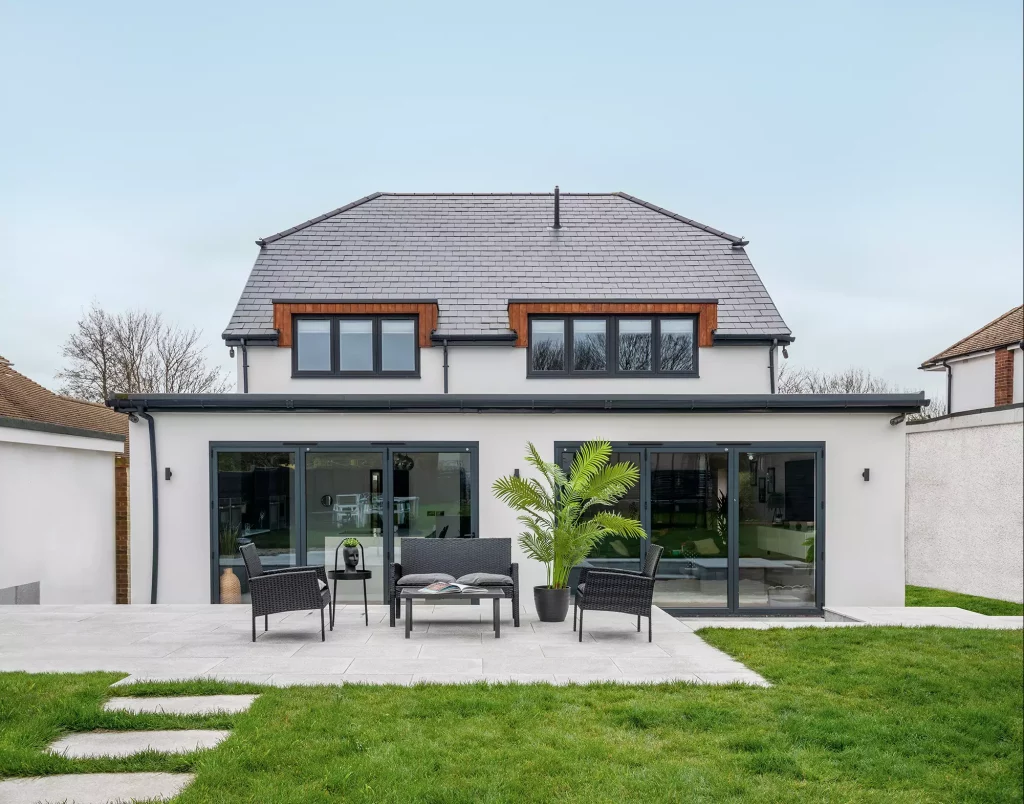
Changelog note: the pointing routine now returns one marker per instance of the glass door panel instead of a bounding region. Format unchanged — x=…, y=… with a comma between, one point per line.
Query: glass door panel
x=777, y=527
x=689, y=495
x=254, y=502
x=431, y=496
x=344, y=494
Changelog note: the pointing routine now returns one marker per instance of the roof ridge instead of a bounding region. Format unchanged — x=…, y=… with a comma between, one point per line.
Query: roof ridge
x=734, y=239
x=261, y=242
x=966, y=338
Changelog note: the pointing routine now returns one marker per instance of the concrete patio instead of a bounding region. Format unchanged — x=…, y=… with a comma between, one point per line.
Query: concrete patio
x=450, y=644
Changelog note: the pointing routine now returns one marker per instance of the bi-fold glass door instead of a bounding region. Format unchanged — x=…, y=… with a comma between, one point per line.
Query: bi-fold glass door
x=299, y=503
x=741, y=526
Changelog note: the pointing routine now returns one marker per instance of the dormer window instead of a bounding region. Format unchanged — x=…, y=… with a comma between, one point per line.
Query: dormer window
x=621, y=346
x=356, y=346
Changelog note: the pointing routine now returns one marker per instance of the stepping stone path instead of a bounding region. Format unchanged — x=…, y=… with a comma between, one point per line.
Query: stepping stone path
x=115, y=788
x=93, y=788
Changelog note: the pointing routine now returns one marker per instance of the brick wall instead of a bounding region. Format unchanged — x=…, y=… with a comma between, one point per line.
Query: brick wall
x=122, y=565
x=1004, y=377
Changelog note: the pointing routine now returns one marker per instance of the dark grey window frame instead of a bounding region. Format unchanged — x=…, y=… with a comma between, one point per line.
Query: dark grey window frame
x=298, y=490
x=612, y=345
x=335, y=370
x=734, y=450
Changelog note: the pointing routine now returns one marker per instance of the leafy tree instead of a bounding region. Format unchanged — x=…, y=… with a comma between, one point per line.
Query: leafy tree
x=854, y=380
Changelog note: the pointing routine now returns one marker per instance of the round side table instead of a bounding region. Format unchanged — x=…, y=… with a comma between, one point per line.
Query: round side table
x=349, y=575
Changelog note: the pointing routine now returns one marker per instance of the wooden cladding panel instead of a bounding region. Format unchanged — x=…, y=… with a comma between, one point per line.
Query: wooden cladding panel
x=427, y=312
x=706, y=312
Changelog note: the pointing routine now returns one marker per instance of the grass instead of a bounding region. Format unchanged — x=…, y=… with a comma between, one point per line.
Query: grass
x=923, y=596
x=856, y=715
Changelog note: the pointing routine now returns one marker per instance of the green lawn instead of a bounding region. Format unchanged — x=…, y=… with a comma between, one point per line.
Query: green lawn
x=923, y=596
x=856, y=715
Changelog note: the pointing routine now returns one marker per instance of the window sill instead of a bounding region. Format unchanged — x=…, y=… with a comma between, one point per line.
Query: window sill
x=356, y=375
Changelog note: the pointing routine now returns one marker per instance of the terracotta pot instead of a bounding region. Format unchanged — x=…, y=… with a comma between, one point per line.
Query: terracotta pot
x=230, y=587
x=552, y=604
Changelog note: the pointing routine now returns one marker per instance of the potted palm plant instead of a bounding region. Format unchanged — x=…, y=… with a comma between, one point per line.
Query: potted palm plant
x=565, y=516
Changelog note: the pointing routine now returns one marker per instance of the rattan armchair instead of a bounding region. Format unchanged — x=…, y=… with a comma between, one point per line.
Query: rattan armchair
x=287, y=589
x=625, y=591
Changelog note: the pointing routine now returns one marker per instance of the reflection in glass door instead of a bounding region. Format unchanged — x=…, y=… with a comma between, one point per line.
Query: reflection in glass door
x=431, y=495
x=254, y=502
x=777, y=530
x=689, y=495
x=344, y=495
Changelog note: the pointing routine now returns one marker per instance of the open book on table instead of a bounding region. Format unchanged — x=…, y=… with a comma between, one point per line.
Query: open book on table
x=448, y=588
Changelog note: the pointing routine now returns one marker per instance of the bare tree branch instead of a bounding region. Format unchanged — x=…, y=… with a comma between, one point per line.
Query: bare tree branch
x=135, y=352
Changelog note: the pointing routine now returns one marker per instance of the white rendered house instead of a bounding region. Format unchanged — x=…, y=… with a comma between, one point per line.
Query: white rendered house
x=395, y=356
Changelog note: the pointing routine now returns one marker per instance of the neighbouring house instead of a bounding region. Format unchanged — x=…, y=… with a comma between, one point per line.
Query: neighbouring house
x=396, y=354
x=985, y=369
x=63, y=497
x=965, y=470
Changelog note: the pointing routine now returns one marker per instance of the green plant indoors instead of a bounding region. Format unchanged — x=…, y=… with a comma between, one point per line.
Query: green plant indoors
x=229, y=540
x=562, y=525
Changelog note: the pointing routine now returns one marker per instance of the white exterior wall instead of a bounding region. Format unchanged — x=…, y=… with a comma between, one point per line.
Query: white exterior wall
x=864, y=520
x=1018, y=375
x=502, y=370
x=974, y=383
x=57, y=515
x=965, y=504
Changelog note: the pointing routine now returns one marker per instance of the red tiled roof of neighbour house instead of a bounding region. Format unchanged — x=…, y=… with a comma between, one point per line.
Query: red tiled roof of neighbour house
x=1006, y=330
x=21, y=398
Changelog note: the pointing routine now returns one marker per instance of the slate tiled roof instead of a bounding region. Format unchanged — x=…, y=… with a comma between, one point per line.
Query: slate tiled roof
x=474, y=252
x=1004, y=331
x=21, y=398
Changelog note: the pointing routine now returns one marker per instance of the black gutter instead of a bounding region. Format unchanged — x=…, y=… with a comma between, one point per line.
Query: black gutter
x=156, y=503
x=269, y=339
x=736, y=339
x=515, y=403
x=482, y=338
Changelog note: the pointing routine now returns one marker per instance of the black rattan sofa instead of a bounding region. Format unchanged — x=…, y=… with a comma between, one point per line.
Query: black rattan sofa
x=478, y=562
x=286, y=589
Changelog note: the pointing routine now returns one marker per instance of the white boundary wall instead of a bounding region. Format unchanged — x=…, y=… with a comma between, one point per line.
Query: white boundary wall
x=864, y=520
x=57, y=515
x=965, y=504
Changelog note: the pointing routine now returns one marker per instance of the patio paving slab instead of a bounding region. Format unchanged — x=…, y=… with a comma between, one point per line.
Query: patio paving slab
x=126, y=743
x=182, y=705
x=93, y=788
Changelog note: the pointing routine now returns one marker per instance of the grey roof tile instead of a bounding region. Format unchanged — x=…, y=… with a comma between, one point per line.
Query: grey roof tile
x=475, y=252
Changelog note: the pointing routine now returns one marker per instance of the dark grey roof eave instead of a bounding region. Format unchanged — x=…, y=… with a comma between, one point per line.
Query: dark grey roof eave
x=522, y=403
x=739, y=338
x=57, y=429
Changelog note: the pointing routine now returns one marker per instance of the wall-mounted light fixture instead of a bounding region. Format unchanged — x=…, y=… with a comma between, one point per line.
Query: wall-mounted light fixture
x=515, y=473
x=866, y=474
x=167, y=473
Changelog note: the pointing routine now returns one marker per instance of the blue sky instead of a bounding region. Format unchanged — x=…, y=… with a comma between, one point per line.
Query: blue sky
x=871, y=152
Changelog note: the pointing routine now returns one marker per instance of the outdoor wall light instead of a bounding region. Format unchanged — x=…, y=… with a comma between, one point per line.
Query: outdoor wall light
x=167, y=473
x=515, y=473
x=866, y=474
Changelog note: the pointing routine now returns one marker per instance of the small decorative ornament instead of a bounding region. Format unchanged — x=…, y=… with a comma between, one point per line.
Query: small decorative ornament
x=350, y=553
x=230, y=587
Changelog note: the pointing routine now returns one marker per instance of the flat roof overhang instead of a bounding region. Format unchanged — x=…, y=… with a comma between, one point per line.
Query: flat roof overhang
x=520, y=403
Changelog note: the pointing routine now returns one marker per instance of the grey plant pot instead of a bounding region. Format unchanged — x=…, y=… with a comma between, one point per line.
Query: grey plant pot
x=552, y=604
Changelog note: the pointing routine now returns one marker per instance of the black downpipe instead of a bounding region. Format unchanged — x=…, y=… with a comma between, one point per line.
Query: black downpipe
x=771, y=364
x=245, y=367
x=445, y=365
x=156, y=503
x=949, y=387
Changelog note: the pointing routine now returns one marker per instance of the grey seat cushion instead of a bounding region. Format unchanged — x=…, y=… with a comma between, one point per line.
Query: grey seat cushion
x=424, y=578
x=485, y=579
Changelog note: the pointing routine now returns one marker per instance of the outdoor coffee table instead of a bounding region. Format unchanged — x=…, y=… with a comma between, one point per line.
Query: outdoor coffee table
x=409, y=595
